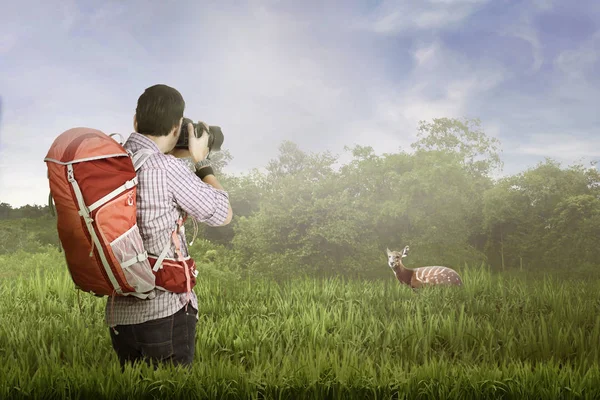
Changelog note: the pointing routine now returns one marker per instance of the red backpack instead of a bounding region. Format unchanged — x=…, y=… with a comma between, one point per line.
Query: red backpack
x=93, y=183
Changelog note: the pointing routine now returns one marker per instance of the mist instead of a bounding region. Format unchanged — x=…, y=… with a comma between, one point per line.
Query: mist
x=465, y=130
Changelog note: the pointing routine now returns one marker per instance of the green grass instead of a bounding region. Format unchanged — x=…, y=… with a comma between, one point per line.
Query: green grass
x=497, y=337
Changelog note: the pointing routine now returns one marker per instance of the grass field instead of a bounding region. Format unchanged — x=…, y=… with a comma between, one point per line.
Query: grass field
x=497, y=337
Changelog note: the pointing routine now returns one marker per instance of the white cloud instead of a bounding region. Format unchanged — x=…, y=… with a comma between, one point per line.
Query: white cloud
x=427, y=55
x=396, y=16
x=529, y=35
x=70, y=14
x=575, y=63
x=263, y=81
x=21, y=21
x=523, y=29
x=562, y=147
x=544, y=4
x=263, y=73
x=7, y=42
x=442, y=84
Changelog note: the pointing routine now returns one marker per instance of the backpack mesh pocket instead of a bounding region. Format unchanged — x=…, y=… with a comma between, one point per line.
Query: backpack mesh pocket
x=129, y=251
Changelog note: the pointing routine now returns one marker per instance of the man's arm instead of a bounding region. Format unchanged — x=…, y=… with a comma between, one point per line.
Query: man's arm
x=211, y=180
x=198, y=151
x=202, y=200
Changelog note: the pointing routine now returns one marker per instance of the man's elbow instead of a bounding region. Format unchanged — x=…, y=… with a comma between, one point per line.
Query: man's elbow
x=229, y=217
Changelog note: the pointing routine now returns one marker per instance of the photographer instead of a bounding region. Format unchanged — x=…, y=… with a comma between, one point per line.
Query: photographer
x=162, y=328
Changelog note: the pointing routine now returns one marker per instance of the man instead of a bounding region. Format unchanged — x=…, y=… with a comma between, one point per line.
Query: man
x=162, y=329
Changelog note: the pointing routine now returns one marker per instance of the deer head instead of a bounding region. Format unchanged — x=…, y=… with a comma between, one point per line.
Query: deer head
x=395, y=257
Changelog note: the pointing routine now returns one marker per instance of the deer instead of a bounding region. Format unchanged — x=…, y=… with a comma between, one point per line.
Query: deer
x=422, y=276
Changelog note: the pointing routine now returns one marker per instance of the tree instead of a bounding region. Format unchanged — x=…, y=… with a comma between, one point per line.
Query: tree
x=294, y=162
x=5, y=211
x=246, y=192
x=321, y=221
x=307, y=220
x=220, y=160
x=574, y=232
x=520, y=212
x=465, y=138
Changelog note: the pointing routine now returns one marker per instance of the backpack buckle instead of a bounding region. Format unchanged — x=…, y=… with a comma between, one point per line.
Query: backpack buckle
x=70, y=176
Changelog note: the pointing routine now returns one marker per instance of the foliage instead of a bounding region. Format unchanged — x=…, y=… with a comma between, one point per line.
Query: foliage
x=319, y=221
x=305, y=214
x=543, y=217
x=215, y=261
x=464, y=138
x=26, y=211
x=28, y=234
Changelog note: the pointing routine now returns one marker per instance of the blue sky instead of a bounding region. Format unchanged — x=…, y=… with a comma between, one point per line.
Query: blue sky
x=323, y=74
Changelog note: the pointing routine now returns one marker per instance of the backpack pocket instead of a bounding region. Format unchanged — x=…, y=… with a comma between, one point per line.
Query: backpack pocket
x=129, y=251
x=116, y=223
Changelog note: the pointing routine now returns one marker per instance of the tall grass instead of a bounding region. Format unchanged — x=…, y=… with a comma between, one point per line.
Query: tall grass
x=497, y=337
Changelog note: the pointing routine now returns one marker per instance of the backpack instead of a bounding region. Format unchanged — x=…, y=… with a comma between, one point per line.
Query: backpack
x=93, y=183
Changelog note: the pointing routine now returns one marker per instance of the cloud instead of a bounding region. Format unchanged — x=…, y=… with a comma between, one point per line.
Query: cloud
x=544, y=4
x=441, y=84
x=396, y=16
x=28, y=19
x=564, y=147
x=522, y=28
x=263, y=81
x=578, y=62
x=268, y=71
x=526, y=33
x=7, y=42
x=427, y=54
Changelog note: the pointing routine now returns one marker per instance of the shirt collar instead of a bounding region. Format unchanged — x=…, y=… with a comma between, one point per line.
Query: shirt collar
x=143, y=142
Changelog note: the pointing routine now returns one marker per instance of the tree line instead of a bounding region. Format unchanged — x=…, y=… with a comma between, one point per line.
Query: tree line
x=306, y=214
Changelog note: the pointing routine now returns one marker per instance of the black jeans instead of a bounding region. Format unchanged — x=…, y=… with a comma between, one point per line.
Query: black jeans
x=163, y=340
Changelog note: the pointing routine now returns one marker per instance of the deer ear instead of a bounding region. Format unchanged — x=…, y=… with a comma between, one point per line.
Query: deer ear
x=388, y=251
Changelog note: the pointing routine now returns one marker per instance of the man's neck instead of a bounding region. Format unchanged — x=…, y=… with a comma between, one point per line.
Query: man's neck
x=162, y=142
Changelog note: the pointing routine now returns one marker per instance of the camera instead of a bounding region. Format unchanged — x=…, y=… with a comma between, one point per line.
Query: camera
x=215, y=135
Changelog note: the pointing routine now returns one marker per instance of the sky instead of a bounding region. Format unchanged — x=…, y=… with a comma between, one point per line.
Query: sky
x=323, y=74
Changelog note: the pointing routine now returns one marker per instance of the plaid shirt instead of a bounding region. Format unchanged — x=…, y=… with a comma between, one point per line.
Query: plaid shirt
x=166, y=186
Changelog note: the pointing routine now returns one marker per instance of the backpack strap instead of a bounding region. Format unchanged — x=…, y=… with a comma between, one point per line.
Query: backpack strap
x=140, y=157
x=85, y=212
x=51, y=205
x=52, y=209
x=121, y=141
x=174, y=239
x=127, y=185
x=161, y=257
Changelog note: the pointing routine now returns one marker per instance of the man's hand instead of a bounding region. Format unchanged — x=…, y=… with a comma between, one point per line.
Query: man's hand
x=198, y=147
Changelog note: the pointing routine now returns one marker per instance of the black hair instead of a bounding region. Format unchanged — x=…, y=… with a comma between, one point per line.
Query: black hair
x=159, y=110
